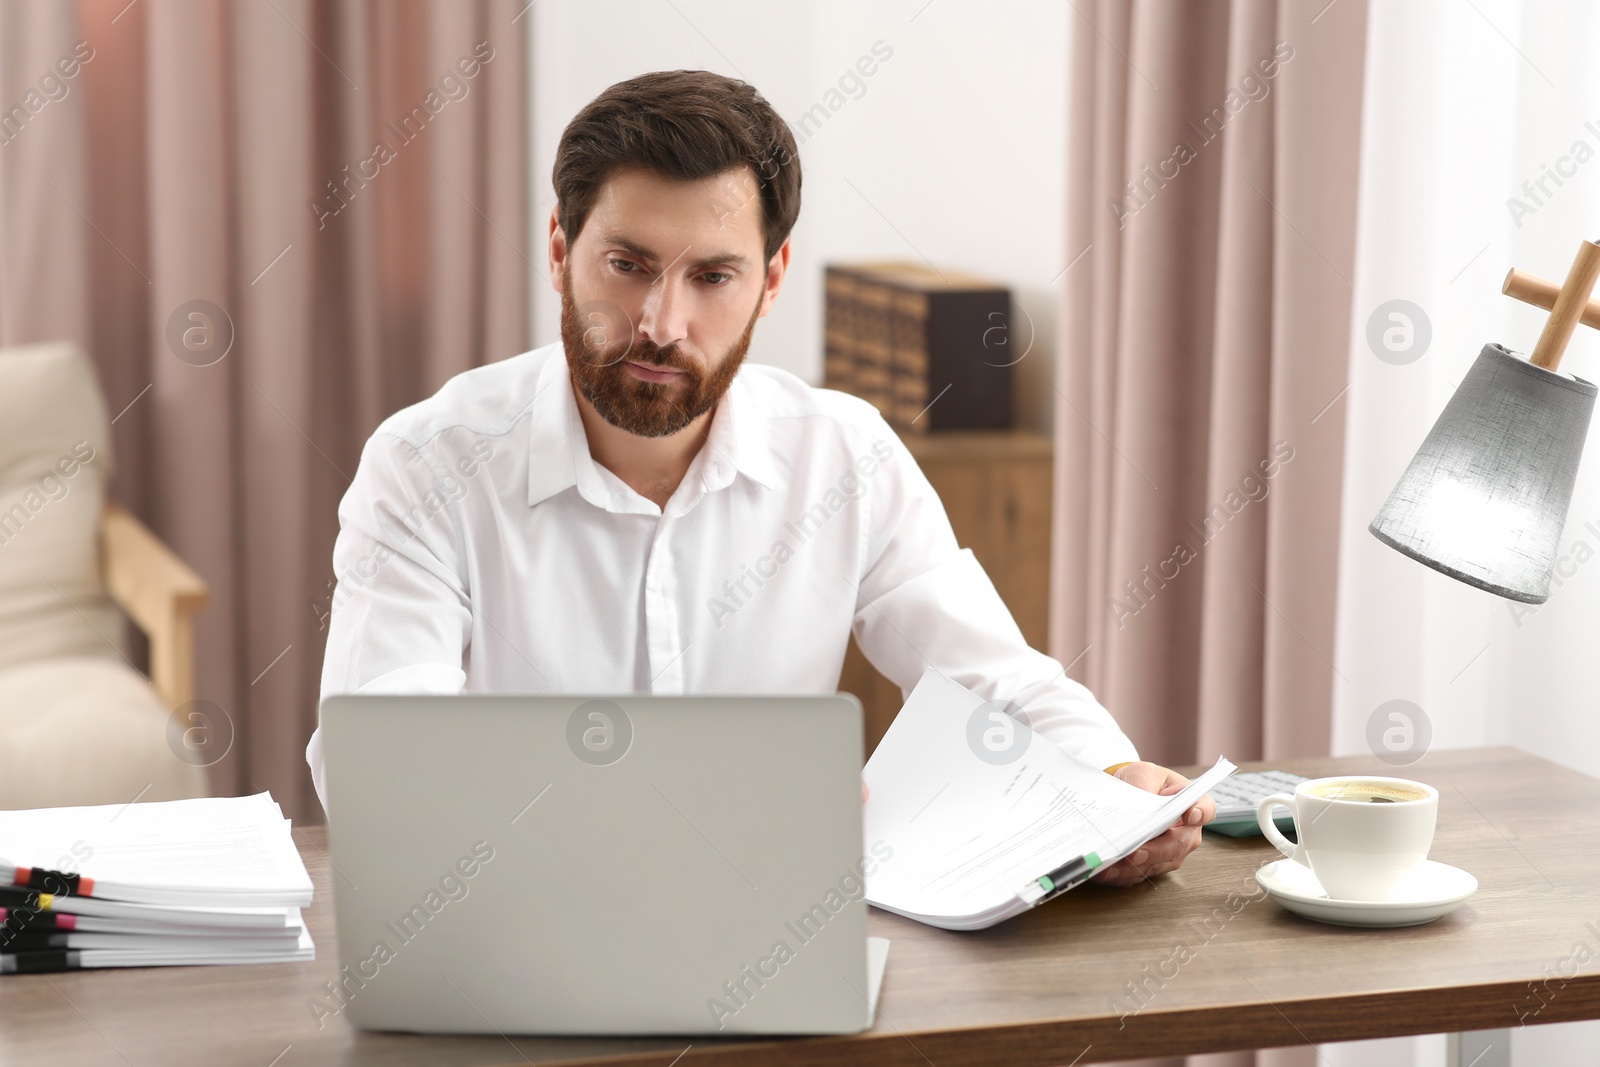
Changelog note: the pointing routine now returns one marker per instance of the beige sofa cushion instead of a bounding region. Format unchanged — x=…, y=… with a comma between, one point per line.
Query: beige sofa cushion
x=87, y=730
x=55, y=458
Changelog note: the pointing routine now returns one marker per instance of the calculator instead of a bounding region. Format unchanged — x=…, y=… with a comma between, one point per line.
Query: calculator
x=1238, y=794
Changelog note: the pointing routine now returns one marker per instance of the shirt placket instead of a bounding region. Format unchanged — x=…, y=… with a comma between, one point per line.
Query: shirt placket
x=663, y=629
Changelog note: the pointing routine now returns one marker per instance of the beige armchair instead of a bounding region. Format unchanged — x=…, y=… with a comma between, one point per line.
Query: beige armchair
x=159, y=592
x=80, y=725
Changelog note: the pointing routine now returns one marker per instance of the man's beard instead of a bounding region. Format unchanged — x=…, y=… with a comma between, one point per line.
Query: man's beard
x=647, y=409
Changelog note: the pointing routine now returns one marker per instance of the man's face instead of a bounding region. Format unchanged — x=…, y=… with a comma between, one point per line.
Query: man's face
x=660, y=295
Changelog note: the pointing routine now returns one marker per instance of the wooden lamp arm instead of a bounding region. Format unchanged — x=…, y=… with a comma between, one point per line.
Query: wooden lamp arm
x=1542, y=293
x=160, y=593
x=1569, y=305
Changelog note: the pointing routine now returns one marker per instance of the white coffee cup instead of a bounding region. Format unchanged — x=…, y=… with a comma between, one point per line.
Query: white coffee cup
x=1360, y=834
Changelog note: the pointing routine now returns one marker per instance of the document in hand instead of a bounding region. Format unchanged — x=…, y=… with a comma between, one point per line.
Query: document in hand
x=981, y=812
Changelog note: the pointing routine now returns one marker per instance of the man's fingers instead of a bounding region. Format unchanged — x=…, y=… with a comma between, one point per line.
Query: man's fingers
x=1168, y=851
x=1147, y=776
x=1160, y=855
x=1117, y=874
x=1130, y=869
x=1168, y=848
x=1124, y=873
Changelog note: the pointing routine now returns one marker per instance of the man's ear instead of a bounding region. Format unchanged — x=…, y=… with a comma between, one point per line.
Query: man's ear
x=777, y=267
x=558, y=248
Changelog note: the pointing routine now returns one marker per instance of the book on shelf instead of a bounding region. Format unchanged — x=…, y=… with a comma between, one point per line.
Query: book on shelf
x=838, y=330
x=930, y=349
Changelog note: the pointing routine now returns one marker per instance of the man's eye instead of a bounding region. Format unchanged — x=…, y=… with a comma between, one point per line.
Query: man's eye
x=722, y=277
x=621, y=263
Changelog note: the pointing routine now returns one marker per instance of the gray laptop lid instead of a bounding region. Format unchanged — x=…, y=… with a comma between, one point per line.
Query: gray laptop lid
x=598, y=865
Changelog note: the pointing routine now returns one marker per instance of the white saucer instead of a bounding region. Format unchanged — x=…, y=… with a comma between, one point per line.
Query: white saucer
x=1432, y=890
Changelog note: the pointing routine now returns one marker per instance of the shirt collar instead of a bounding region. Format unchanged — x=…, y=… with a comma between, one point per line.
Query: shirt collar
x=558, y=448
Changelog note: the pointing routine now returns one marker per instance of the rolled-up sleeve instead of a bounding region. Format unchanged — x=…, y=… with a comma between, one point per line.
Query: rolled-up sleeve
x=401, y=613
x=924, y=602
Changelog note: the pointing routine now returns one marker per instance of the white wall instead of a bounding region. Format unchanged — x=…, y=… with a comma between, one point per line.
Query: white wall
x=955, y=151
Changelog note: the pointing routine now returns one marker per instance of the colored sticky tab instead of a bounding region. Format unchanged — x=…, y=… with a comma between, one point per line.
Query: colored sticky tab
x=57, y=882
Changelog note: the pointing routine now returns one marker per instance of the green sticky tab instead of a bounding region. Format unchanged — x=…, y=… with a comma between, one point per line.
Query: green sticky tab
x=1092, y=859
x=1044, y=880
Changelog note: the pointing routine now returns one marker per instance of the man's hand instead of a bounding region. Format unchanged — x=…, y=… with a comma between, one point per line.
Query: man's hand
x=1167, y=852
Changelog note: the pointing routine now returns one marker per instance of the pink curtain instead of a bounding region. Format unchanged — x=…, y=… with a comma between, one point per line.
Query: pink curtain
x=1212, y=198
x=340, y=187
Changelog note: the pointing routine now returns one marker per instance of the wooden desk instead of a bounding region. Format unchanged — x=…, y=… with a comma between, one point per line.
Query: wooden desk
x=1036, y=990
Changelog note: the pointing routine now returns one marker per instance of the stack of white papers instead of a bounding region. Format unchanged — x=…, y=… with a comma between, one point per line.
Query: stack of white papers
x=976, y=821
x=213, y=880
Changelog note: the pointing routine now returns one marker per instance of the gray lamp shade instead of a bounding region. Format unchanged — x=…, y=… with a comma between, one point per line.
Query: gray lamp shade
x=1486, y=496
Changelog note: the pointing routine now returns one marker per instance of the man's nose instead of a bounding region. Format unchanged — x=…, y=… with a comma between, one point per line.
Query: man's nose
x=663, y=319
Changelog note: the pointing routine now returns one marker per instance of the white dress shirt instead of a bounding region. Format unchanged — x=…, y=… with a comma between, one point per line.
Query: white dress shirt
x=482, y=549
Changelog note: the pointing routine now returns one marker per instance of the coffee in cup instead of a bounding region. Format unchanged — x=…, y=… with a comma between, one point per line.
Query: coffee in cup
x=1360, y=834
x=1368, y=791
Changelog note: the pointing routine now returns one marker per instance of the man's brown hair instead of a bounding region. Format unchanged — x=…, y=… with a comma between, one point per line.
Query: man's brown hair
x=683, y=124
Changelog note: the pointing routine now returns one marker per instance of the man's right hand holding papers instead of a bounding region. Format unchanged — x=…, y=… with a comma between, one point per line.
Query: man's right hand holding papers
x=985, y=819
x=1167, y=852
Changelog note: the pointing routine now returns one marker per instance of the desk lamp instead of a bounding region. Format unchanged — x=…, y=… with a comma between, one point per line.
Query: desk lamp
x=1486, y=496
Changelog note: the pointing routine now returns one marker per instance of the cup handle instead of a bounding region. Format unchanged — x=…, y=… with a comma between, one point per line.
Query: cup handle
x=1270, y=828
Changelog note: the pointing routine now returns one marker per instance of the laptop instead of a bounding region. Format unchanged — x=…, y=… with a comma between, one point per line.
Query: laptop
x=622, y=864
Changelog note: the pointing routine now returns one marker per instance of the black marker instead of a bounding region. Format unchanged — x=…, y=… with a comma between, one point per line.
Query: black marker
x=46, y=962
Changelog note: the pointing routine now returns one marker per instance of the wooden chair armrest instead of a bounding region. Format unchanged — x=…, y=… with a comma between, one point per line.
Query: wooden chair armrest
x=160, y=593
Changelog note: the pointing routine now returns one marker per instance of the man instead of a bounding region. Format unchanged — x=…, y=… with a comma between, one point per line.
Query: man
x=638, y=509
